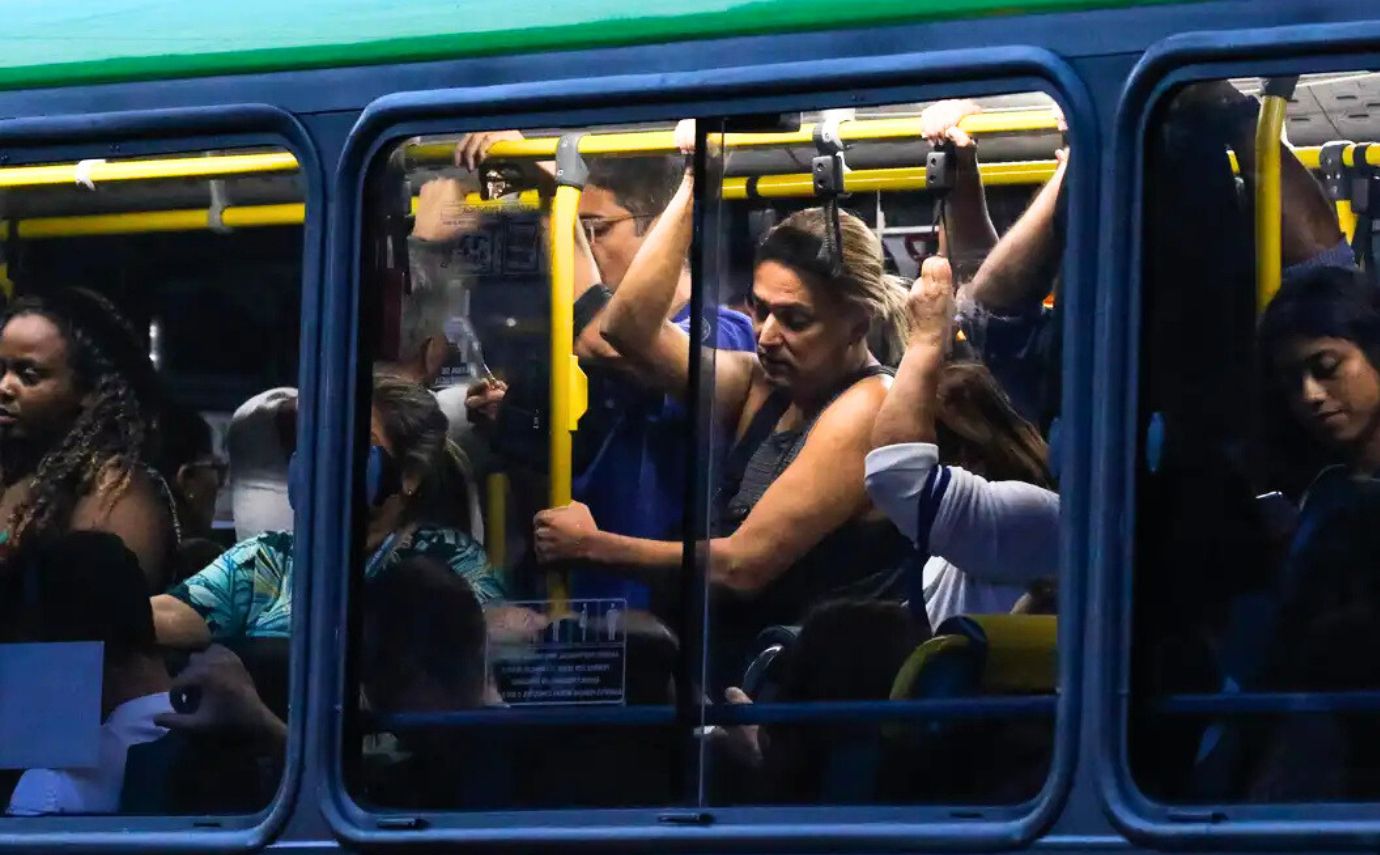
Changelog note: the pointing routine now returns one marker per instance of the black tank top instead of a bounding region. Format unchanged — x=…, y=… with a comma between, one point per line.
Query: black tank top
x=859, y=559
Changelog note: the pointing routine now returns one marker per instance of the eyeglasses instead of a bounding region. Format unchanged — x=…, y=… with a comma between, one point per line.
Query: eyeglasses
x=595, y=227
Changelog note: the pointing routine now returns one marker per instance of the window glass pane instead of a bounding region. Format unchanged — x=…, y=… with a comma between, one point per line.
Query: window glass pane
x=146, y=566
x=1254, y=584
x=812, y=550
x=590, y=638
x=499, y=667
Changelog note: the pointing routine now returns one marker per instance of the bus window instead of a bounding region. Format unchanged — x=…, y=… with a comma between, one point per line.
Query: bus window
x=466, y=631
x=543, y=459
x=148, y=304
x=1254, y=585
x=884, y=510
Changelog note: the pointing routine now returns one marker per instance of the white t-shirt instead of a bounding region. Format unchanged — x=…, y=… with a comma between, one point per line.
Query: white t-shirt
x=989, y=539
x=94, y=790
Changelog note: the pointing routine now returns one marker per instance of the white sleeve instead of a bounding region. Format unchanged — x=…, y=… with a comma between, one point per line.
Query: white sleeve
x=997, y=531
x=1000, y=532
x=36, y=794
x=896, y=476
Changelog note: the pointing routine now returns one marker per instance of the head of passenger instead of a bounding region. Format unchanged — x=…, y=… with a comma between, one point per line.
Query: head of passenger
x=1319, y=343
x=88, y=586
x=423, y=642
x=848, y=650
x=815, y=321
x=979, y=429
x=416, y=472
x=423, y=347
x=188, y=464
x=622, y=199
x=76, y=389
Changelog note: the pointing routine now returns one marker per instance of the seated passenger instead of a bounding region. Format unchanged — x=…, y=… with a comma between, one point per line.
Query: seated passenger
x=76, y=395
x=416, y=508
x=848, y=650
x=87, y=586
x=188, y=464
x=986, y=520
x=793, y=524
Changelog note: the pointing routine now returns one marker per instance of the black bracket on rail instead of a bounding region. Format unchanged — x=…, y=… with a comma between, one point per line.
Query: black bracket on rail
x=828, y=169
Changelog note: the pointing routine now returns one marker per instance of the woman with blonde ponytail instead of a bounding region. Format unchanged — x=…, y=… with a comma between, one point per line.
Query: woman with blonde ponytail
x=792, y=523
x=414, y=485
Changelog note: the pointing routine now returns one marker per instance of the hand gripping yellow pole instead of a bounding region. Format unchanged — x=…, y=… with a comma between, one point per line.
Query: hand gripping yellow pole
x=568, y=388
x=1268, y=218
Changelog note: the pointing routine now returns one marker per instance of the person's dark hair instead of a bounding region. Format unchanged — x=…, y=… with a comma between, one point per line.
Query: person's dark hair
x=978, y=427
x=422, y=622
x=644, y=185
x=847, y=650
x=420, y=435
x=111, y=437
x=84, y=586
x=1326, y=302
x=184, y=437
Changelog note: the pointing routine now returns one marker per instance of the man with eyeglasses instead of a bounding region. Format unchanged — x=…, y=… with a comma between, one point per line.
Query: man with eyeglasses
x=634, y=480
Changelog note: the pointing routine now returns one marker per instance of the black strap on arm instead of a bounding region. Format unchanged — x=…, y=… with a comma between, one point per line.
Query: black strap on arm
x=926, y=509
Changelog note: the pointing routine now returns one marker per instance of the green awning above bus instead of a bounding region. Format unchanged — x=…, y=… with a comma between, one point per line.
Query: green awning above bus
x=57, y=42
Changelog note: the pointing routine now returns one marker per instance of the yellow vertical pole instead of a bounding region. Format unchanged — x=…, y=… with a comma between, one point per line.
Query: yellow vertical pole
x=1346, y=218
x=1268, y=216
x=568, y=390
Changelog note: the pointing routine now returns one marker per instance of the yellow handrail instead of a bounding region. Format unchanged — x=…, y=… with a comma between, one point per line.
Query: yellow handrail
x=1268, y=215
x=568, y=389
x=888, y=179
x=664, y=142
x=100, y=172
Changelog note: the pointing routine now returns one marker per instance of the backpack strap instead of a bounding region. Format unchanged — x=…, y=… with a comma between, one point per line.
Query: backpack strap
x=931, y=496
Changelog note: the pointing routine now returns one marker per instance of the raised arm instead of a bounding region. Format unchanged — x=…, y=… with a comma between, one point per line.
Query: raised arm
x=967, y=235
x=635, y=320
x=1020, y=268
x=908, y=413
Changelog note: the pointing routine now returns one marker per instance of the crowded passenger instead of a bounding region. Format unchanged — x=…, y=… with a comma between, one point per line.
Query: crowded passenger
x=959, y=471
x=76, y=430
x=259, y=442
x=413, y=484
x=793, y=524
x=632, y=444
x=85, y=586
x=195, y=475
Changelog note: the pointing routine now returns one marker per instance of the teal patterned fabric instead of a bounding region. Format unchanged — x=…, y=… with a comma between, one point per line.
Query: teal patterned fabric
x=247, y=591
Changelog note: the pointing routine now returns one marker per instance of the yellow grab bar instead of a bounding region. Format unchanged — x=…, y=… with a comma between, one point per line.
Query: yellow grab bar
x=99, y=172
x=568, y=388
x=664, y=142
x=1268, y=216
x=888, y=179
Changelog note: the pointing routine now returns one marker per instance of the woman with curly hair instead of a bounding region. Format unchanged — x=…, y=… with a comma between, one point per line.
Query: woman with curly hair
x=76, y=393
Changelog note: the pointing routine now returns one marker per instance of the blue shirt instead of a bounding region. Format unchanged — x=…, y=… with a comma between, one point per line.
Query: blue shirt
x=635, y=483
